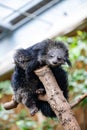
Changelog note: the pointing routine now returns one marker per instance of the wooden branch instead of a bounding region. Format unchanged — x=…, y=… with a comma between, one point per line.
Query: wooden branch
x=13, y=104
x=10, y=105
x=56, y=99
x=73, y=104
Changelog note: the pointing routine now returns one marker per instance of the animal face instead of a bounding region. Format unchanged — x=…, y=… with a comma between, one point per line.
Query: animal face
x=57, y=57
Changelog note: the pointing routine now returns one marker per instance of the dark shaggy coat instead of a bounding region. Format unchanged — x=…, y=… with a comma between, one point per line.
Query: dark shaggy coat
x=25, y=82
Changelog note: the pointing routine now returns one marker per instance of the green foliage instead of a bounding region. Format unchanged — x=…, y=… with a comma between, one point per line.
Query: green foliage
x=76, y=44
x=78, y=56
x=23, y=121
x=5, y=88
x=6, y=118
x=26, y=123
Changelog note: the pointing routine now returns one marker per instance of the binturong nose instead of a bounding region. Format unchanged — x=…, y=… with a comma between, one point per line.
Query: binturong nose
x=54, y=62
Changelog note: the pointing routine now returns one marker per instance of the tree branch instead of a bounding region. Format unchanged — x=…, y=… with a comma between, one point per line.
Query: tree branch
x=77, y=101
x=73, y=104
x=13, y=104
x=56, y=99
x=10, y=105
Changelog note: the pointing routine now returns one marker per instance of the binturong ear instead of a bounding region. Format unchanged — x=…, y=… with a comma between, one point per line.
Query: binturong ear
x=68, y=62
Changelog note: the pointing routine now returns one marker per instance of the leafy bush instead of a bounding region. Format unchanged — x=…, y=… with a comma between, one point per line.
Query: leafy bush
x=78, y=55
x=5, y=88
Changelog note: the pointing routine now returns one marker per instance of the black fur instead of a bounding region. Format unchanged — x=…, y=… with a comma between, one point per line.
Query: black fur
x=25, y=82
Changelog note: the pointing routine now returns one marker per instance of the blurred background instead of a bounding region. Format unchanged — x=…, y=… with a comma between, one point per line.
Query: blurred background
x=26, y=22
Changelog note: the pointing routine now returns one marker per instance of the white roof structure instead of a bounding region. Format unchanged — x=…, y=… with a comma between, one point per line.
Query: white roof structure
x=23, y=23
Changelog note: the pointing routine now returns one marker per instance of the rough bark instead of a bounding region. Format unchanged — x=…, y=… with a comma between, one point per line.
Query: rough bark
x=56, y=99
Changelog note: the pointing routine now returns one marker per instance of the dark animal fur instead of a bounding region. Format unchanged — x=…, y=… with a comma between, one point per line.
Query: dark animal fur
x=25, y=82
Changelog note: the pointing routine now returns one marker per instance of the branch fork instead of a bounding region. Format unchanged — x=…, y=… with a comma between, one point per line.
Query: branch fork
x=55, y=98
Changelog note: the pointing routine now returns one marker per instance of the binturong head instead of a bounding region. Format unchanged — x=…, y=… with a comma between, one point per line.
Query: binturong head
x=57, y=54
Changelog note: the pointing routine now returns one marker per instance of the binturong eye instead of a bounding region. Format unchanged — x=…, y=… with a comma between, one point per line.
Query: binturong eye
x=51, y=56
x=59, y=58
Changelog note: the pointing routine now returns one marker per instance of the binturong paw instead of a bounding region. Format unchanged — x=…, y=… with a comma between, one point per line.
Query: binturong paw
x=33, y=111
x=40, y=91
